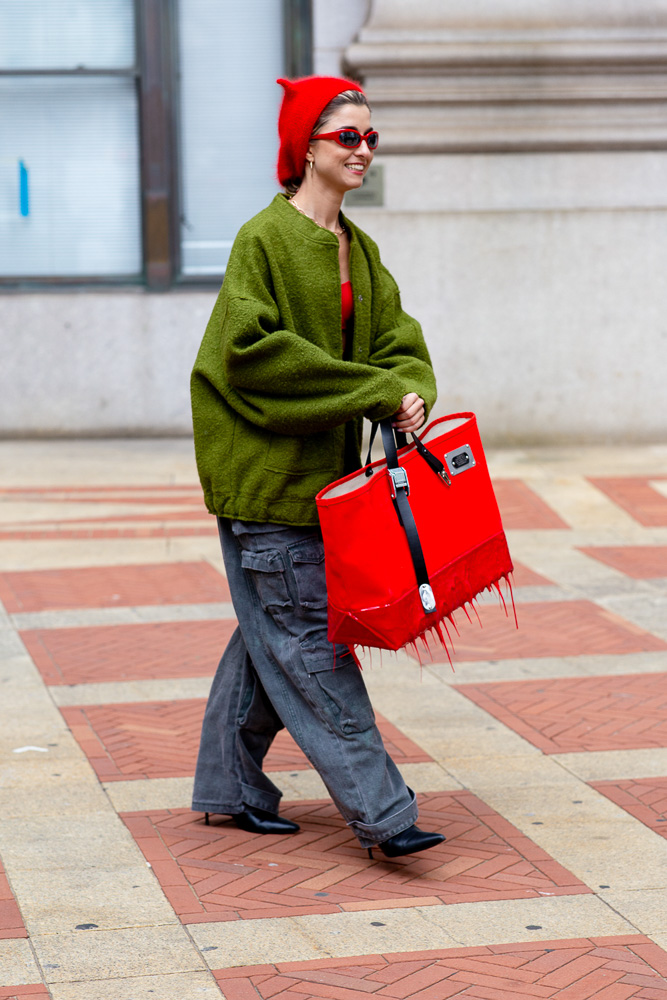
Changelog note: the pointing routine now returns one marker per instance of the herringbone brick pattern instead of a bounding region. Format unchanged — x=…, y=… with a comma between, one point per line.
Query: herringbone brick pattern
x=218, y=872
x=556, y=628
x=128, y=652
x=113, y=586
x=521, y=508
x=641, y=562
x=580, y=713
x=11, y=921
x=160, y=739
x=618, y=968
x=643, y=798
x=637, y=497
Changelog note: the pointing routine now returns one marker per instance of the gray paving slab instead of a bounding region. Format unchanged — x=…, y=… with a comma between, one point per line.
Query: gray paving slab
x=108, y=898
x=182, y=986
x=17, y=963
x=78, y=841
x=608, y=765
x=91, y=955
x=146, y=614
x=416, y=928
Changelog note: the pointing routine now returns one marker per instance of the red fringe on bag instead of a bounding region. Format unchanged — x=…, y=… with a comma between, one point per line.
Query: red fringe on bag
x=455, y=587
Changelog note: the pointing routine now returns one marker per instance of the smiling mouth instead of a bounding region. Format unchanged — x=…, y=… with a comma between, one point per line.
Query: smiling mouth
x=356, y=168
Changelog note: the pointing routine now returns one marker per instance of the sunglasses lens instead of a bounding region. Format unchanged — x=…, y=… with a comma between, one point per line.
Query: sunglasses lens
x=372, y=140
x=347, y=137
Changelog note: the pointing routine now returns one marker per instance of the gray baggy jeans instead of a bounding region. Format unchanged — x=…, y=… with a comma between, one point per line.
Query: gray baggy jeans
x=279, y=670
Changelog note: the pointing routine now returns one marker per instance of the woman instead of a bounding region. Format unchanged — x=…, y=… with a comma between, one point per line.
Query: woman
x=306, y=339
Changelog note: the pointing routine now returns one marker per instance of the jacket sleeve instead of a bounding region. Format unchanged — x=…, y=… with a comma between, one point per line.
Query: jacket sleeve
x=399, y=345
x=276, y=378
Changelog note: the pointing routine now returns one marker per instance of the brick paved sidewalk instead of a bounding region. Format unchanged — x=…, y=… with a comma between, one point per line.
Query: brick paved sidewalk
x=542, y=756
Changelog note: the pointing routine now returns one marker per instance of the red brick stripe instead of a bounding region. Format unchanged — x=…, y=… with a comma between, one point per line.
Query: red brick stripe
x=35, y=991
x=11, y=921
x=643, y=798
x=549, y=628
x=572, y=714
x=112, y=586
x=605, y=968
x=160, y=739
x=641, y=562
x=637, y=497
x=128, y=652
x=521, y=508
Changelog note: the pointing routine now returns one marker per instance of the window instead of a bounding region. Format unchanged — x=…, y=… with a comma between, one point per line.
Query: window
x=138, y=134
x=228, y=139
x=69, y=161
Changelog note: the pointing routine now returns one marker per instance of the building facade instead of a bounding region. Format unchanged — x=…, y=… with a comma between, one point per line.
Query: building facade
x=520, y=198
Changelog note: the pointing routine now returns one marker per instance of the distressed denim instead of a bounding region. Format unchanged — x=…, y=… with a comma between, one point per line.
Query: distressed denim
x=279, y=670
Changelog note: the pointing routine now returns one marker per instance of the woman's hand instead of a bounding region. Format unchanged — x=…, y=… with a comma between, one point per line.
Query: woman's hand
x=410, y=414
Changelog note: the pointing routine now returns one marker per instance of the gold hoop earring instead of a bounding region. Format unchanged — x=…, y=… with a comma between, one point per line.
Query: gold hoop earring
x=311, y=165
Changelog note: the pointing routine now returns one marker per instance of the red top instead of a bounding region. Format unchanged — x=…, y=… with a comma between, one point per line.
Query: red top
x=347, y=303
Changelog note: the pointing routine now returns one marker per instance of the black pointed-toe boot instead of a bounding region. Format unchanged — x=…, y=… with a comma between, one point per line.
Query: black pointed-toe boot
x=408, y=842
x=260, y=821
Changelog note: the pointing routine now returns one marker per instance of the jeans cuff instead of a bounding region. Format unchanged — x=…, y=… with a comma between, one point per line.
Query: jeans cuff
x=219, y=808
x=370, y=834
x=260, y=799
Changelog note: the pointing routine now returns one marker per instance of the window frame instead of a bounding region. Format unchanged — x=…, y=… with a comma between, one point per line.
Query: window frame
x=155, y=72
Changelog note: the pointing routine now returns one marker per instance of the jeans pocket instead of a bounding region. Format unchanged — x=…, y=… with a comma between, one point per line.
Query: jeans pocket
x=350, y=707
x=267, y=570
x=307, y=558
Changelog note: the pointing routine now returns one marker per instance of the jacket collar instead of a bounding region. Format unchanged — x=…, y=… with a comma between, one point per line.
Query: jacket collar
x=301, y=224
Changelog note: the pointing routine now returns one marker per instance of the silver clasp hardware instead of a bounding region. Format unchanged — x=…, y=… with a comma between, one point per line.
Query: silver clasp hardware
x=445, y=478
x=399, y=481
x=460, y=460
x=427, y=598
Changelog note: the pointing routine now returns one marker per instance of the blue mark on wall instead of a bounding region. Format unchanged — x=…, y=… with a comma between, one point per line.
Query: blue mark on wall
x=24, y=191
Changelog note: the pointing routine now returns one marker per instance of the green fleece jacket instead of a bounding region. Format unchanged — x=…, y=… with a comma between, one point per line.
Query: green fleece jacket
x=271, y=392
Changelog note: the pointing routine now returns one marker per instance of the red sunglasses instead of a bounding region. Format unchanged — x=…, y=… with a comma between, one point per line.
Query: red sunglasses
x=350, y=138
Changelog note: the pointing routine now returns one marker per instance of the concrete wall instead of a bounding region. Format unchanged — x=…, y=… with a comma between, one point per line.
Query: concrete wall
x=537, y=273
x=539, y=281
x=99, y=363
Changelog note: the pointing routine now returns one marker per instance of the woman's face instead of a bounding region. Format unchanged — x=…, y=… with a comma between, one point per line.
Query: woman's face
x=335, y=166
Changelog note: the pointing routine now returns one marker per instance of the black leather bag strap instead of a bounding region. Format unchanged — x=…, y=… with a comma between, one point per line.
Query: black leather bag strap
x=401, y=440
x=432, y=460
x=374, y=430
x=400, y=490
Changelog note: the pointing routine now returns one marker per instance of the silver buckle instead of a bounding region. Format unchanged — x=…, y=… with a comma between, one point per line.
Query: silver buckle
x=399, y=481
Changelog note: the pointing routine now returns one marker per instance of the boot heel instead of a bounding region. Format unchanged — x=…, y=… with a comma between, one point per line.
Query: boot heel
x=370, y=852
x=206, y=822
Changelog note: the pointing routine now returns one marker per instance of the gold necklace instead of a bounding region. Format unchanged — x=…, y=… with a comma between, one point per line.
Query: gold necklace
x=336, y=232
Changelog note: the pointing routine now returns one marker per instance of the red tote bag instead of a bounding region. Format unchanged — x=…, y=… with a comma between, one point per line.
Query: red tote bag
x=412, y=537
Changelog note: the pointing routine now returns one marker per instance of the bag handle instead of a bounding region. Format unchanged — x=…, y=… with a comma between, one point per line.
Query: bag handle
x=401, y=440
x=400, y=490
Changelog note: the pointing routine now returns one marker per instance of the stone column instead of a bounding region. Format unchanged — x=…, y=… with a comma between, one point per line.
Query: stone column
x=524, y=150
x=496, y=75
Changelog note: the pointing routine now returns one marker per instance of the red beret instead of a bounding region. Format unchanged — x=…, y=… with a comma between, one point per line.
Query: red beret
x=303, y=102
